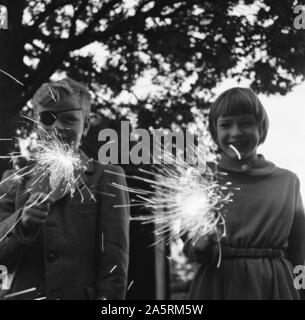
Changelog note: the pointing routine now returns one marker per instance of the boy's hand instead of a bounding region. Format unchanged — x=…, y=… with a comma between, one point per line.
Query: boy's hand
x=35, y=212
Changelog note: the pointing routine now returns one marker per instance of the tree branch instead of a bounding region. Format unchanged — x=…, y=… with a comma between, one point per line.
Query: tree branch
x=80, y=9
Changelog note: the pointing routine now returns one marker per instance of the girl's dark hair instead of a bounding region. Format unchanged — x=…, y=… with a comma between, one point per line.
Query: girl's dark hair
x=236, y=101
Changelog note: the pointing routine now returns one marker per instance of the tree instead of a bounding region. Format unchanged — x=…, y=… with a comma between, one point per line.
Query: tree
x=186, y=47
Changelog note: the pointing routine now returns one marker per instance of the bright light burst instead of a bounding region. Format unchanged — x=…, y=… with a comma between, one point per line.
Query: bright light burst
x=186, y=202
x=55, y=164
x=57, y=160
x=185, y=199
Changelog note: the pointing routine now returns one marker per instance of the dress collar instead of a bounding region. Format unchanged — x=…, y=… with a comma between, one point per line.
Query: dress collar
x=257, y=167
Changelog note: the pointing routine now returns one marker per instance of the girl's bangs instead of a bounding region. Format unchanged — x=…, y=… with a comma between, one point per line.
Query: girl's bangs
x=236, y=104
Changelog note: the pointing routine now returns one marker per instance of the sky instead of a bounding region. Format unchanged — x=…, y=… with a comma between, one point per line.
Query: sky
x=285, y=143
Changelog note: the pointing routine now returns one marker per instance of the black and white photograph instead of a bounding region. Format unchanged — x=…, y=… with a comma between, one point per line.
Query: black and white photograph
x=152, y=150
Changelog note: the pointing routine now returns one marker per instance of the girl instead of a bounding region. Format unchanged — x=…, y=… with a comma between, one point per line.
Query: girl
x=265, y=221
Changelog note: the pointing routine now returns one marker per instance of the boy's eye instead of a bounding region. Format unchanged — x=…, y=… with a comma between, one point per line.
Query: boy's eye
x=68, y=119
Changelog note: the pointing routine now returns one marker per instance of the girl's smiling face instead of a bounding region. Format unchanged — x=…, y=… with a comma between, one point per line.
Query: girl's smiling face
x=242, y=132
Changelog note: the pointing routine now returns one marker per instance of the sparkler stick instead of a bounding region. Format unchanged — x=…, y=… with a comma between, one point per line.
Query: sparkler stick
x=236, y=151
x=52, y=94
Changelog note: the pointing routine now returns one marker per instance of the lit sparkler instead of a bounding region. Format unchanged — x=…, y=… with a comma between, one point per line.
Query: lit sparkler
x=54, y=165
x=185, y=200
x=59, y=162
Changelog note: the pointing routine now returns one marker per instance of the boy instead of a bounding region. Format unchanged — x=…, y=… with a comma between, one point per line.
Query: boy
x=66, y=248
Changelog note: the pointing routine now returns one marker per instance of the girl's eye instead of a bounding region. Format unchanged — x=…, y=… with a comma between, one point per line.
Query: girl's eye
x=247, y=123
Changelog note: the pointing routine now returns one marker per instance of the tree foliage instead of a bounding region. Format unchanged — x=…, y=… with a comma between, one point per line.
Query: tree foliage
x=184, y=47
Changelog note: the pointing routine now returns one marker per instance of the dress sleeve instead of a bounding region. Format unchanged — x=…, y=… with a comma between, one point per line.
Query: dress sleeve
x=296, y=240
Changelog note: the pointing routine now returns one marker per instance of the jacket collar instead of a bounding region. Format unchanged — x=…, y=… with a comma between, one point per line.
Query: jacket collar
x=257, y=167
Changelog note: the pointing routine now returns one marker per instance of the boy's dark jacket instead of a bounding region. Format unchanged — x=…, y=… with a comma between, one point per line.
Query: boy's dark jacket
x=81, y=251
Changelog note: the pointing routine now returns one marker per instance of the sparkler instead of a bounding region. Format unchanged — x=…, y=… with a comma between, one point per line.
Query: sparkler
x=54, y=165
x=185, y=200
x=59, y=162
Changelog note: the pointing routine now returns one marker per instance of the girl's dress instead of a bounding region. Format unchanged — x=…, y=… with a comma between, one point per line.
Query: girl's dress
x=265, y=236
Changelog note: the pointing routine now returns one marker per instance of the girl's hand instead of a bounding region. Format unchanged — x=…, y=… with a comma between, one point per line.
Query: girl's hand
x=202, y=244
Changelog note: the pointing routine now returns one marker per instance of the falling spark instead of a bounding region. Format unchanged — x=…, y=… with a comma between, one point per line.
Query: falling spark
x=9, y=75
x=41, y=298
x=113, y=269
x=131, y=283
x=106, y=194
x=14, y=294
x=102, y=241
x=3, y=195
x=236, y=151
x=52, y=95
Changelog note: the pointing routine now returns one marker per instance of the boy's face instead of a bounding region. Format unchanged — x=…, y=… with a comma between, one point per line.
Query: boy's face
x=242, y=132
x=67, y=117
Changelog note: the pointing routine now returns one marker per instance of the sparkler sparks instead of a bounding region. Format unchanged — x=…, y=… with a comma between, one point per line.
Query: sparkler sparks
x=129, y=286
x=54, y=165
x=59, y=161
x=10, y=295
x=9, y=75
x=184, y=200
x=52, y=94
x=102, y=241
x=236, y=151
x=112, y=269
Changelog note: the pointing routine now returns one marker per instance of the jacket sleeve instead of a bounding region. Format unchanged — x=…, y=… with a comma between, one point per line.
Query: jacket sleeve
x=11, y=237
x=296, y=239
x=114, y=240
